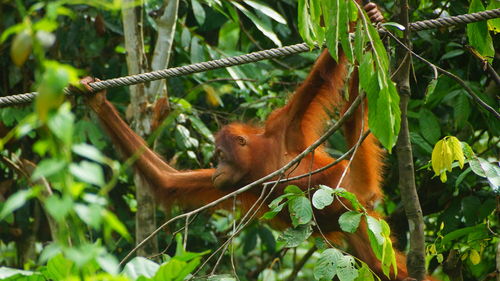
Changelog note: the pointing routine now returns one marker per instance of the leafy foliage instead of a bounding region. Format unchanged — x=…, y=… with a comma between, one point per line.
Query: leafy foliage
x=67, y=206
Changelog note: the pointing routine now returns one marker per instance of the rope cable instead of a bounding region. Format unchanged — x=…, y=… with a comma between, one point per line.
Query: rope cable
x=242, y=59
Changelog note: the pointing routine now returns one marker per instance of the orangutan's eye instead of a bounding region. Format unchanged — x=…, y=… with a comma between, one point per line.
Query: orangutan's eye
x=241, y=140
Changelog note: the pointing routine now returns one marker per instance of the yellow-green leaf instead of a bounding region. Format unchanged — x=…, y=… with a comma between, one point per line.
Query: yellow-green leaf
x=447, y=155
x=21, y=47
x=457, y=151
x=211, y=95
x=443, y=176
x=436, y=158
x=474, y=257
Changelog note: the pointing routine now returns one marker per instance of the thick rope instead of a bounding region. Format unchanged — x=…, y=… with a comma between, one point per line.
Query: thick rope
x=243, y=59
x=455, y=20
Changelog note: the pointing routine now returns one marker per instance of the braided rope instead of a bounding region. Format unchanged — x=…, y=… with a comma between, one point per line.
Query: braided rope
x=200, y=67
x=243, y=59
x=455, y=20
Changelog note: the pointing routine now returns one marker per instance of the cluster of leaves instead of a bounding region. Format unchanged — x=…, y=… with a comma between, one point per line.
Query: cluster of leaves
x=367, y=49
x=333, y=262
x=59, y=267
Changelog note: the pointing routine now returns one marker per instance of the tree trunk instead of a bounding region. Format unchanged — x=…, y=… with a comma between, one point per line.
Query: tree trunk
x=148, y=105
x=145, y=220
x=416, y=256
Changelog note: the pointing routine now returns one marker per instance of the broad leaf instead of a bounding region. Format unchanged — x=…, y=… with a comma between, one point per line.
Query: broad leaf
x=349, y=221
x=326, y=266
x=292, y=237
x=300, y=210
x=478, y=34
x=140, y=266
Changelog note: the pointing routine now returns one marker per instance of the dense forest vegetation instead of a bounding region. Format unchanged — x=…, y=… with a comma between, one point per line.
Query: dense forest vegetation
x=72, y=209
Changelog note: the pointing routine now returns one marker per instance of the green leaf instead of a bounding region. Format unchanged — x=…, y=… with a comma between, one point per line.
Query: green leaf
x=305, y=23
x=459, y=233
x=277, y=201
x=13, y=274
x=266, y=10
x=198, y=12
x=375, y=236
x=293, y=189
x=300, y=210
x=346, y=270
x=59, y=267
x=89, y=151
x=292, y=237
x=389, y=256
x=344, y=30
x=490, y=171
x=326, y=266
x=12, y=30
x=273, y=212
x=112, y=222
x=452, y=54
x=349, y=197
x=91, y=215
x=461, y=110
x=322, y=198
x=429, y=126
x=364, y=273
x=15, y=201
x=332, y=23
x=55, y=77
x=229, y=35
x=261, y=25
x=108, y=263
x=249, y=240
x=140, y=266
x=183, y=137
x=384, y=115
x=88, y=172
x=418, y=140
x=170, y=270
x=493, y=24
x=59, y=207
x=478, y=33
x=349, y=221
x=317, y=29
x=197, y=54
x=366, y=76
x=267, y=238
x=185, y=38
x=359, y=42
x=47, y=168
x=200, y=127
x=430, y=88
